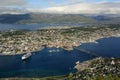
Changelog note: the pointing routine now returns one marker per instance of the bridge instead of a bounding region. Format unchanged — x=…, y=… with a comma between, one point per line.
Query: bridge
x=87, y=51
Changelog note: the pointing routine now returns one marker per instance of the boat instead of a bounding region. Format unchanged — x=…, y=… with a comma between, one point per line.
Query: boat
x=27, y=55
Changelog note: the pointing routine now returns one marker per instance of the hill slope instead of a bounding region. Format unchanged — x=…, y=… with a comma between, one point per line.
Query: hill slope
x=45, y=18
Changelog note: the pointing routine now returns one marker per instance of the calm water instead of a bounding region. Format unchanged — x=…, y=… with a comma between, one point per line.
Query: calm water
x=34, y=26
x=42, y=63
x=106, y=47
x=58, y=62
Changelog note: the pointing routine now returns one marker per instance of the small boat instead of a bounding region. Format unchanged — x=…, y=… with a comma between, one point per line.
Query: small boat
x=26, y=56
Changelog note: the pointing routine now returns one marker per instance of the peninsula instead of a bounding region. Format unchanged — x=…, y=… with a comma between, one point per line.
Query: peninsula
x=22, y=41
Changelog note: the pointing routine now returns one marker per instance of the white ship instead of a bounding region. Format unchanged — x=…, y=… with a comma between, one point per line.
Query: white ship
x=26, y=56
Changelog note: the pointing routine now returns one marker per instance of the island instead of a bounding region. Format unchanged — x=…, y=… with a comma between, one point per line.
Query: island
x=22, y=41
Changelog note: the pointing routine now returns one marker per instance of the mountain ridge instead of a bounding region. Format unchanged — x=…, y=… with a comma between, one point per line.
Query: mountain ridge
x=33, y=18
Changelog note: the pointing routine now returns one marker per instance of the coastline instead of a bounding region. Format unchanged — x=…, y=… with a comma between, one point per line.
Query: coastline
x=25, y=42
x=48, y=47
x=60, y=77
x=95, y=67
x=24, y=52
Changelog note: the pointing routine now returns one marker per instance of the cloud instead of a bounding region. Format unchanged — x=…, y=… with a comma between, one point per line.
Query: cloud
x=12, y=2
x=5, y=10
x=65, y=6
x=87, y=8
x=12, y=6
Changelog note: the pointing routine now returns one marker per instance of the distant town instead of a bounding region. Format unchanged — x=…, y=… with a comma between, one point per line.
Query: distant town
x=22, y=41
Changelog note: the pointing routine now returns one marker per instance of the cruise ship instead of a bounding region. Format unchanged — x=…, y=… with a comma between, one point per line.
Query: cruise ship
x=26, y=56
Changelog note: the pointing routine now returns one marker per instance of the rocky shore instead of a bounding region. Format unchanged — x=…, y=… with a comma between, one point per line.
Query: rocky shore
x=97, y=69
x=18, y=42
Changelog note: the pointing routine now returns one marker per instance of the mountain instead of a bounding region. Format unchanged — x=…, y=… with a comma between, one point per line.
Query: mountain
x=45, y=18
x=13, y=18
x=107, y=18
x=34, y=18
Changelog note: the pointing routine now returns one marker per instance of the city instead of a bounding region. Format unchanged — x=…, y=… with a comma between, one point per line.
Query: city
x=30, y=41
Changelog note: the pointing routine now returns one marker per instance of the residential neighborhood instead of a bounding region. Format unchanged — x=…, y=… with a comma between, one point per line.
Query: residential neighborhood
x=29, y=41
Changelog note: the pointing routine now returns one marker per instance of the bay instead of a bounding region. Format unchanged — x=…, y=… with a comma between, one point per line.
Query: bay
x=42, y=63
x=56, y=61
x=53, y=61
x=105, y=47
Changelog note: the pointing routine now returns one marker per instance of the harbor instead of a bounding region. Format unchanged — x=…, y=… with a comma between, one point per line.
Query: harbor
x=44, y=63
x=22, y=41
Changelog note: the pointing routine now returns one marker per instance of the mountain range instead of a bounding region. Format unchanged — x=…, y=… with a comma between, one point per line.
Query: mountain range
x=36, y=18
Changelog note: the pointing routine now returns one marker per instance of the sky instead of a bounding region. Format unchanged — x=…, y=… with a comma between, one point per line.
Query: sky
x=61, y=6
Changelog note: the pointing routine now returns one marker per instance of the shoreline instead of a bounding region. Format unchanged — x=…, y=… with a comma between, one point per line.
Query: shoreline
x=52, y=47
x=47, y=47
x=59, y=77
x=92, y=66
x=13, y=43
x=21, y=53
